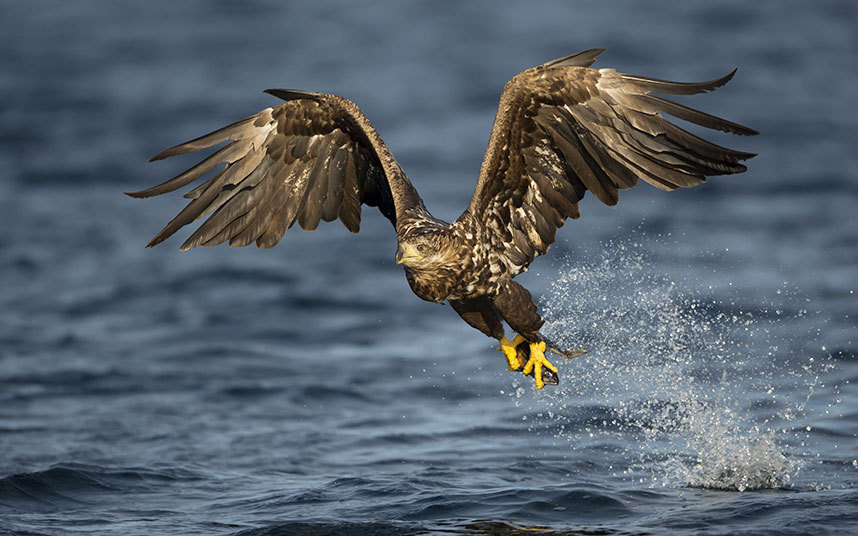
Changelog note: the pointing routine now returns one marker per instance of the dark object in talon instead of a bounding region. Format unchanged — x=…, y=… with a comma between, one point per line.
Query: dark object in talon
x=549, y=377
x=523, y=353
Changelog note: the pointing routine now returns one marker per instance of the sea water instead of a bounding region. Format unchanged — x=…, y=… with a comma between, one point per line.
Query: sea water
x=305, y=390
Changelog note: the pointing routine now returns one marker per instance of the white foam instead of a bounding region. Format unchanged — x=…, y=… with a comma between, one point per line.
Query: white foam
x=683, y=377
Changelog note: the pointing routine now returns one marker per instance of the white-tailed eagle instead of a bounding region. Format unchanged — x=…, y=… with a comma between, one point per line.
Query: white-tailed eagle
x=562, y=128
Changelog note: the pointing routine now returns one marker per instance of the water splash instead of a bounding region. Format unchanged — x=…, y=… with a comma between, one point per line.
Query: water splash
x=695, y=381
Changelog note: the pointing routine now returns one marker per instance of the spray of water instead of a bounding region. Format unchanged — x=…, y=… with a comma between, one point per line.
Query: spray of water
x=693, y=381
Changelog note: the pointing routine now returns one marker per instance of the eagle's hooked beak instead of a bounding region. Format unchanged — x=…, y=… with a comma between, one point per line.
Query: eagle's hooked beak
x=405, y=253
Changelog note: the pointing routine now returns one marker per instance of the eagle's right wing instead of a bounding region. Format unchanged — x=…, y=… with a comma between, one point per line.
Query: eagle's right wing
x=315, y=157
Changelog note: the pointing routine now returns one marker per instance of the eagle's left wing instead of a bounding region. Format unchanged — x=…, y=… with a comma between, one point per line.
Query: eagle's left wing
x=563, y=128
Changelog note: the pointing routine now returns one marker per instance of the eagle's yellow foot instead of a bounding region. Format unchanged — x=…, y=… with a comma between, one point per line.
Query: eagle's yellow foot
x=509, y=351
x=536, y=362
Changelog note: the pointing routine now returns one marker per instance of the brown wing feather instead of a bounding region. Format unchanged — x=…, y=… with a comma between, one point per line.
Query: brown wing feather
x=563, y=128
x=314, y=158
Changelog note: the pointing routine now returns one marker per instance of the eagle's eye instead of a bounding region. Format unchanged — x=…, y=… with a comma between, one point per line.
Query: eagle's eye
x=420, y=247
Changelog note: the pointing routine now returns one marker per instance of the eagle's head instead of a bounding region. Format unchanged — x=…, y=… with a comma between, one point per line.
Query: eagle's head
x=422, y=251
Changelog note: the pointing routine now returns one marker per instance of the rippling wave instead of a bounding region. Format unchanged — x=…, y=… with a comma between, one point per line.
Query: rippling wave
x=72, y=486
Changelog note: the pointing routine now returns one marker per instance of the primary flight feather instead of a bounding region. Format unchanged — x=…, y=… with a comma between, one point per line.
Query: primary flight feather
x=562, y=129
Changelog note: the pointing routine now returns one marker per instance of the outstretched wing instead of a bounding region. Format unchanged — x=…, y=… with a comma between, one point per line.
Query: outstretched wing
x=314, y=158
x=563, y=128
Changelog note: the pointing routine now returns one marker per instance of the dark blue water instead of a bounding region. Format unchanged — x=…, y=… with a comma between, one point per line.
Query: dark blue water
x=305, y=390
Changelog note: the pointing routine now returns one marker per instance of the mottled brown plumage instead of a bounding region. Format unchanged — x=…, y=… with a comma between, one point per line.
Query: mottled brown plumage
x=562, y=129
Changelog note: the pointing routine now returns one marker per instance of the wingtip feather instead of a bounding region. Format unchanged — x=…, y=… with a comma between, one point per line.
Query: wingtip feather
x=657, y=85
x=292, y=94
x=724, y=79
x=585, y=58
x=143, y=194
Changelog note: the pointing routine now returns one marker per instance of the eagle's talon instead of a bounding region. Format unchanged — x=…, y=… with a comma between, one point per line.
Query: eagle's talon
x=535, y=366
x=509, y=349
x=529, y=359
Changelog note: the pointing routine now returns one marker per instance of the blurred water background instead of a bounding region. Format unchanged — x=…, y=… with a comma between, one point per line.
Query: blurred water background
x=304, y=390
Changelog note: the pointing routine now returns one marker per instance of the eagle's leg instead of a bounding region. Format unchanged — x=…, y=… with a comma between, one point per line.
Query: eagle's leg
x=482, y=314
x=517, y=307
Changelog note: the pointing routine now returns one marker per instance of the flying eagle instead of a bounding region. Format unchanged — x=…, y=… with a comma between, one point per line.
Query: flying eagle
x=561, y=129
